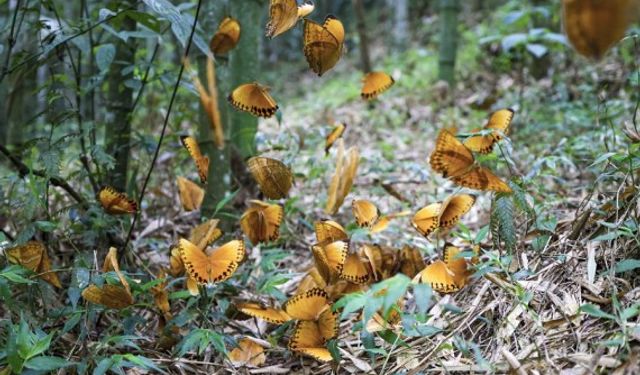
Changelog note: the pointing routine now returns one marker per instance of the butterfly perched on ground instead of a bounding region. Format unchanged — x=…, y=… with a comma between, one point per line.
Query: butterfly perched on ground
x=191, y=195
x=253, y=98
x=342, y=180
x=330, y=256
x=333, y=136
x=201, y=161
x=382, y=260
x=307, y=305
x=273, y=176
x=261, y=221
x=323, y=44
x=284, y=14
x=446, y=276
x=456, y=162
x=218, y=266
x=116, y=203
x=310, y=337
x=328, y=230
x=594, y=26
x=226, y=37
x=442, y=214
x=374, y=84
x=355, y=270
x=498, y=123
x=365, y=212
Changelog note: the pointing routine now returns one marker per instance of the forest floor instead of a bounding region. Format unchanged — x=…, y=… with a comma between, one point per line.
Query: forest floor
x=533, y=317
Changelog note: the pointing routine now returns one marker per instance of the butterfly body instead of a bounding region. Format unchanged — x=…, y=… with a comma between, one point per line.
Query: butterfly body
x=261, y=221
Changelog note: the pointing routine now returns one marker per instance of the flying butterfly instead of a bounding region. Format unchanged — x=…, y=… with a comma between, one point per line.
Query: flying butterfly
x=191, y=195
x=455, y=161
x=215, y=267
x=333, y=136
x=374, y=84
x=283, y=15
x=253, y=98
x=328, y=230
x=116, y=203
x=442, y=214
x=498, y=124
x=365, y=212
x=310, y=337
x=305, y=9
x=226, y=37
x=308, y=305
x=594, y=26
x=201, y=161
x=261, y=221
x=323, y=44
x=275, y=178
x=268, y=314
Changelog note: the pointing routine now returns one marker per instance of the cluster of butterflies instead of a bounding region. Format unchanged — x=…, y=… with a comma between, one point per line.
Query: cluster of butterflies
x=337, y=269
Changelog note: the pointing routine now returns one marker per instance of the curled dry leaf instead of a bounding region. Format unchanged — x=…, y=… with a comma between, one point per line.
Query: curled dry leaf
x=342, y=180
x=248, y=353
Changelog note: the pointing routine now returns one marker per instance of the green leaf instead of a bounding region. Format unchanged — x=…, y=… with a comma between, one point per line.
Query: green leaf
x=595, y=311
x=47, y=363
x=627, y=265
x=41, y=346
x=105, y=55
x=46, y=226
x=422, y=293
x=14, y=274
x=224, y=201
x=143, y=362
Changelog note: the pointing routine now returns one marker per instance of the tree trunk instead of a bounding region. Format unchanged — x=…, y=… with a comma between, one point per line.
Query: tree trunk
x=362, y=35
x=241, y=66
x=400, y=23
x=449, y=10
x=120, y=102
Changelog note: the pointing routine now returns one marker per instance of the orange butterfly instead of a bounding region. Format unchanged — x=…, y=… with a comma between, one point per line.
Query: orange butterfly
x=191, y=195
x=446, y=276
x=215, y=267
x=261, y=221
x=374, y=84
x=456, y=162
x=205, y=234
x=498, y=123
x=333, y=136
x=201, y=161
x=365, y=212
x=355, y=270
x=283, y=15
x=226, y=37
x=275, y=178
x=384, y=221
x=33, y=256
x=253, y=98
x=310, y=337
x=594, y=26
x=323, y=44
x=115, y=202
x=328, y=230
x=268, y=314
x=442, y=214
x=382, y=260
x=330, y=257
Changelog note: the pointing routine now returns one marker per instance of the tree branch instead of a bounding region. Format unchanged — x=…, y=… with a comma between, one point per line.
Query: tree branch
x=23, y=170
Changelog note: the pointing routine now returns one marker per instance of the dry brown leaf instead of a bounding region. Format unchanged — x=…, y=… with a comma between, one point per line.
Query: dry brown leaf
x=112, y=296
x=248, y=353
x=191, y=195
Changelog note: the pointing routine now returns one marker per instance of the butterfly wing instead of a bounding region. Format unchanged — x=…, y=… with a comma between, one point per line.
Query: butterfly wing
x=205, y=234
x=275, y=178
x=329, y=231
x=438, y=275
x=328, y=324
x=454, y=208
x=365, y=212
x=195, y=261
x=191, y=195
x=273, y=215
x=269, y=314
x=411, y=261
x=499, y=121
x=115, y=202
x=426, y=219
x=456, y=264
x=480, y=178
x=308, y=305
x=225, y=260
x=355, y=270
x=307, y=339
x=253, y=98
x=374, y=84
x=450, y=157
x=226, y=37
x=283, y=15
x=305, y=9
x=29, y=255
x=322, y=49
